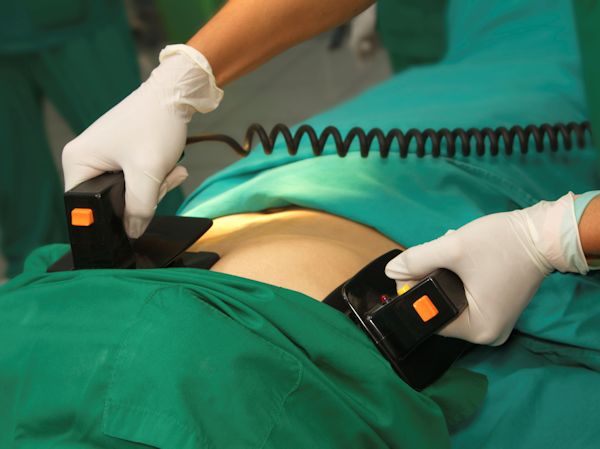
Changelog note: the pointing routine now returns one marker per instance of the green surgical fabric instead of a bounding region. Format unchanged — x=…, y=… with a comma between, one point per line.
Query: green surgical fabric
x=184, y=358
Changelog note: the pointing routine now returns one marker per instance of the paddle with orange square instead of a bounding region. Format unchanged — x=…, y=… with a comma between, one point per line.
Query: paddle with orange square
x=404, y=323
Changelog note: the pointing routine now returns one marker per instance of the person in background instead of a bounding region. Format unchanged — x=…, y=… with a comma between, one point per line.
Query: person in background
x=79, y=54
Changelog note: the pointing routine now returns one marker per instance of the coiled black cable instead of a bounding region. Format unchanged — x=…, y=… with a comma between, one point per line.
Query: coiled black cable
x=425, y=141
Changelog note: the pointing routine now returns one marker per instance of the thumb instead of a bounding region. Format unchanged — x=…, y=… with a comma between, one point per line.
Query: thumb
x=141, y=198
x=421, y=260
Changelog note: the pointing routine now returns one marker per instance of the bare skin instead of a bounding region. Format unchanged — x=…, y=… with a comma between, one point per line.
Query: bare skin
x=304, y=250
x=246, y=33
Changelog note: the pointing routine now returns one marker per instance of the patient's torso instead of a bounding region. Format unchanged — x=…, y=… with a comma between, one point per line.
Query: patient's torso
x=304, y=250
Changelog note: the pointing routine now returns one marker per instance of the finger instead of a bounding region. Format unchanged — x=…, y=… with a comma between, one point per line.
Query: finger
x=472, y=325
x=174, y=179
x=405, y=285
x=459, y=328
x=76, y=167
x=419, y=261
x=141, y=198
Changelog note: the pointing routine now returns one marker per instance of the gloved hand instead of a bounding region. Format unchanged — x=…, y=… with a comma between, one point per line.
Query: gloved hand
x=501, y=259
x=144, y=134
x=363, y=34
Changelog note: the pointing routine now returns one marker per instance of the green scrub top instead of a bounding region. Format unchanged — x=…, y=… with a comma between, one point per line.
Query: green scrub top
x=29, y=25
x=80, y=56
x=412, y=31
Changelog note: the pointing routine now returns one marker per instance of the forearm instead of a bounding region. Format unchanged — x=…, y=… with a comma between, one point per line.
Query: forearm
x=589, y=228
x=246, y=33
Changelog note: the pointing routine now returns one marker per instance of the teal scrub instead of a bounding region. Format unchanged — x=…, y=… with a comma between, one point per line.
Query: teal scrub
x=79, y=54
x=193, y=359
x=508, y=62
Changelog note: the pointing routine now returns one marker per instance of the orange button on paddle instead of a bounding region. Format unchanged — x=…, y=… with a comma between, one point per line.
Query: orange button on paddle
x=425, y=308
x=82, y=217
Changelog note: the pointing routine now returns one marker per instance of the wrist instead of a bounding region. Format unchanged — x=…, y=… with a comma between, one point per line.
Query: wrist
x=184, y=81
x=554, y=231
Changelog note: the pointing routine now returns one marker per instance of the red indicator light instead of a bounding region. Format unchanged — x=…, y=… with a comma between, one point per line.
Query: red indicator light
x=384, y=299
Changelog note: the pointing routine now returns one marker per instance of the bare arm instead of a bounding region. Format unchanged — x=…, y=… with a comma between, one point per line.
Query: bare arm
x=246, y=33
x=589, y=228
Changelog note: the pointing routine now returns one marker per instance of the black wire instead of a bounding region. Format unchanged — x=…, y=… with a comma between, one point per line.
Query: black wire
x=539, y=136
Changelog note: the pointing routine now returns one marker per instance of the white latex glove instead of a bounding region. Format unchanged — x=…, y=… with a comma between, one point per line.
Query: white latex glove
x=363, y=35
x=144, y=134
x=501, y=259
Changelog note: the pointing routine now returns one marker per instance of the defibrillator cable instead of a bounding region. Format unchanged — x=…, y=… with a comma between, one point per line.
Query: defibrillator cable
x=458, y=141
